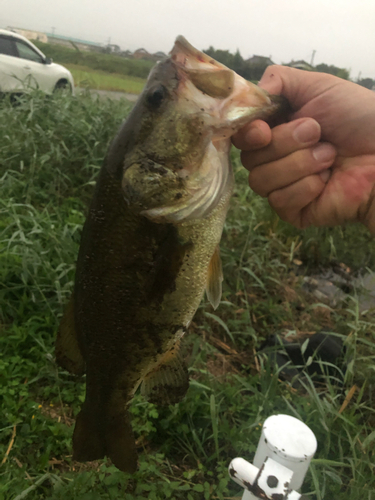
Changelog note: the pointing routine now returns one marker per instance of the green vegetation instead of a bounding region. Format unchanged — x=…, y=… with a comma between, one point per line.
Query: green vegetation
x=112, y=72
x=333, y=70
x=254, y=71
x=100, y=71
x=94, y=60
x=88, y=78
x=50, y=152
x=96, y=65
x=368, y=83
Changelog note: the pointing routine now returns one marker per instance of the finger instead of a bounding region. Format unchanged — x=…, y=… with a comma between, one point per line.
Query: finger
x=298, y=86
x=349, y=194
x=255, y=135
x=286, y=139
x=279, y=174
x=291, y=202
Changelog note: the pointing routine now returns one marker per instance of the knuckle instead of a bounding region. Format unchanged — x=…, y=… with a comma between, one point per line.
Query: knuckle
x=279, y=202
x=257, y=184
x=312, y=187
x=302, y=163
x=246, y=159
x=250, y=160
x=286, y=213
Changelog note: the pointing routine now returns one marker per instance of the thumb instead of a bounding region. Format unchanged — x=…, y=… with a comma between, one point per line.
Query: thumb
x=298, y=86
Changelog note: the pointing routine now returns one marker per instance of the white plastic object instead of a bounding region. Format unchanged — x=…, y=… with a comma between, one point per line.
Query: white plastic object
x=271, y=481
x=282, y=459
x=289, y=442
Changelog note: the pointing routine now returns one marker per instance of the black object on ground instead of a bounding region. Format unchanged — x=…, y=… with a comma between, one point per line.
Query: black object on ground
x=321, y=357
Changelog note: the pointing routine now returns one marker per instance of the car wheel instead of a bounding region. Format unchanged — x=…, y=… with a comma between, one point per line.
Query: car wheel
x=63, y=86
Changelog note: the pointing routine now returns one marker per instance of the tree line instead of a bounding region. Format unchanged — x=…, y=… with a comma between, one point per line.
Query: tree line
x=253, y=70
x=237, y=63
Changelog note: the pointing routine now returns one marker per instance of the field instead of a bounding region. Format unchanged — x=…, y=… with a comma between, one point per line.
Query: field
x=86, y=77
x=100, y=71
x=94, y=60
x=51, y=150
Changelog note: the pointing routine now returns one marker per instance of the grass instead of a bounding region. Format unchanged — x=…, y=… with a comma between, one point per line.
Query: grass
x=101, y=80
x=109, y=63
x=50, y=152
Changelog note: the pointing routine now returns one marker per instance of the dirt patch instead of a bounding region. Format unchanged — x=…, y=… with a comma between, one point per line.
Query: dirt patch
x=60, y=413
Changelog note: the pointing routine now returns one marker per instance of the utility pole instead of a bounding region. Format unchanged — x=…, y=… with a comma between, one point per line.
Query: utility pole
x=312, y=58
x=53, y=30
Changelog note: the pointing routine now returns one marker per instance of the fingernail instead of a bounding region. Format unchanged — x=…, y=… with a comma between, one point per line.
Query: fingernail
x=324, y=152
x=326, y=175
x=307, y=131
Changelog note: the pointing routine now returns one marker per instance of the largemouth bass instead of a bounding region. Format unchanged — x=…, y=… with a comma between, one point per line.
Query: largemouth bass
x=149, y=246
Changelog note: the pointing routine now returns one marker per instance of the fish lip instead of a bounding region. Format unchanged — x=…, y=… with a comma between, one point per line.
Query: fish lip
x=182, y=50
x=191, y=65
x=196, y=66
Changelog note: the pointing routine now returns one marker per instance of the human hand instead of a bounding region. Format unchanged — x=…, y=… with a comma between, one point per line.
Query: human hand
x=319, y=168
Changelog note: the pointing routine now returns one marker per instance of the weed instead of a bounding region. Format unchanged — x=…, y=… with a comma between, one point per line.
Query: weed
x=50, y=152
x=86, y=77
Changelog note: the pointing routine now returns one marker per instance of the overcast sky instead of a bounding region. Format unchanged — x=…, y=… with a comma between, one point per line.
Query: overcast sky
x=341, y=31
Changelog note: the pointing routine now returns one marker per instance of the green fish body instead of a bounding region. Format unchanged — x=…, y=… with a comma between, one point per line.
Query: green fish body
x=149, y=246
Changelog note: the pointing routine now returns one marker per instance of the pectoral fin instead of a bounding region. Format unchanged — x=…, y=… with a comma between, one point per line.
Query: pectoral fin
x=68, y=354
x=169, y=382
x=214, y=279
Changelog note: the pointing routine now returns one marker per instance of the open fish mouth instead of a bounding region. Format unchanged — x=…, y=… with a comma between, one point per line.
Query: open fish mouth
x=208, y=75
x=191, y=107
x=230, y=98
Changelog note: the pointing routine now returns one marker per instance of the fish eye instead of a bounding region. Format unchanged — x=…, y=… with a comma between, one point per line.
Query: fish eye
x=157, y=96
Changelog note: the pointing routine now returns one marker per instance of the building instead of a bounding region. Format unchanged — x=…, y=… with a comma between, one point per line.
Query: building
x=261, y=60
x=300, y=65
x=141, y=54
x=158, y=56
x=30, y=34
x=70, y=42
x=126, y=53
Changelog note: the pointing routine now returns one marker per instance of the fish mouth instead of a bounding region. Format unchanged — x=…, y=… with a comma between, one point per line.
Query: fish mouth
x=187, y=56
x=231, y=100
x=218, y=102
x=209, y=76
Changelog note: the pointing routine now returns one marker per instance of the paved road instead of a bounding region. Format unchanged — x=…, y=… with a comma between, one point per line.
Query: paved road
x=110, y=94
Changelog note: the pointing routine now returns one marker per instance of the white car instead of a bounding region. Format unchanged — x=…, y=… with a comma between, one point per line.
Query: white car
x=22, y=65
